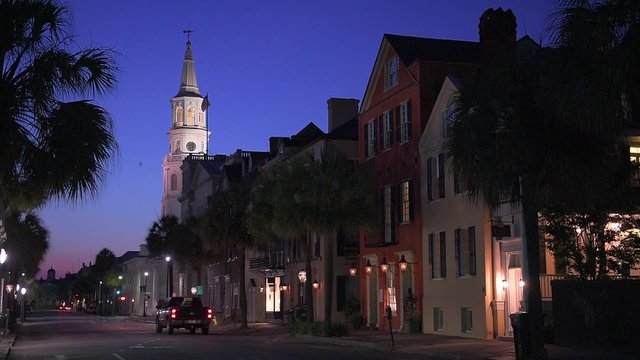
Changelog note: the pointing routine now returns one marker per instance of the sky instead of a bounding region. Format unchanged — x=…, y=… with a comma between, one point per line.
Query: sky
x=268, y=67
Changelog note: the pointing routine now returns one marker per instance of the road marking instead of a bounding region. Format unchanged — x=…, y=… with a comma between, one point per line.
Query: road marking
x=117, y=356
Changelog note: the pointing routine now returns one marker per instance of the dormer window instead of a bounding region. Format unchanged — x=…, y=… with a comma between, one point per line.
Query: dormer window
x=391, y=73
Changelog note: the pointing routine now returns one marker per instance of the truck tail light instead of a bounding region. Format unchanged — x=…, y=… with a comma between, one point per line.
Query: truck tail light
x=173, y=313
x=209, y=313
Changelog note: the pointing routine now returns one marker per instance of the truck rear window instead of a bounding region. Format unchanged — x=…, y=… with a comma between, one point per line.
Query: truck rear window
x=192, y=301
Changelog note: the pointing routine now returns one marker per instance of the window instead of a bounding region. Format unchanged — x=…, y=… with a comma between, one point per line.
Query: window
x=459, y=186
x=634, y=152
x=466, y=318
x=179, y=116
x=465, y=243
x=435, y=177
x=191, y=116
x=174, y=182
x=438, y=255
x=438, y=319
x=404, y=122
x=406, y=192
x=391, y=73
x=177, y=149
x=386, y=130
x=370, y=135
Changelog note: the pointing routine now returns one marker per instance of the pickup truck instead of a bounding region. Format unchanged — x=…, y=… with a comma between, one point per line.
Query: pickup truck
x=183, y=312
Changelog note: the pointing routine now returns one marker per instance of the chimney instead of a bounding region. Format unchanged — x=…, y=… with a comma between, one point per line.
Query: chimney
x=341, y=111
x=144, y=250
x=497, y=35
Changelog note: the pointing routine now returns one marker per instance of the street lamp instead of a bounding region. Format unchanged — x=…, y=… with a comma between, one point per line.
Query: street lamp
x=193, y=290
x=368, y=268
x=384, y=266
x=144, y=309
x=23, y=292
x=403, y=264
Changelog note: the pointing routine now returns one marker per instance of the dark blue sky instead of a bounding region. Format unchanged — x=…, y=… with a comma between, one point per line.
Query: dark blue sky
x=268, y=67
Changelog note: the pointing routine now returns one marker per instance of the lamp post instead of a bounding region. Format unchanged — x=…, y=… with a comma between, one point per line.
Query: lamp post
x=23, y=292
x=169, y=276
x=144, y=309
x=3, y=258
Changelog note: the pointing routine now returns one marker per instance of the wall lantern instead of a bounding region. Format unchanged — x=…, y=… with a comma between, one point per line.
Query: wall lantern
x=302, y=276
x=353, y=270
x=384, y=266
x=9, y=288
x=505, y=284
x=261, y=288
x=3, y=256
x=368, y=268
x=403, y=264
x=521, y=283
x=316, y=284
x=284, y=287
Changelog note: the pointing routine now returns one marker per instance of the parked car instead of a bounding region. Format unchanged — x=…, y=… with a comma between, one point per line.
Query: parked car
x=183, y=312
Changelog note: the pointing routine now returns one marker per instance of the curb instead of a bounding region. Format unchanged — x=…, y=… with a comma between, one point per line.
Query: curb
x=7, y=344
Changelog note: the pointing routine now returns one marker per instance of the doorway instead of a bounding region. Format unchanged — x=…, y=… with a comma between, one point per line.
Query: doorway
x=514, y=288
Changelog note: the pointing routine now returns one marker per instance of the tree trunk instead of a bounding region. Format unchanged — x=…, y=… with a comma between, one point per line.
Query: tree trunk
x=242, y=255
x=531, y=267
x=308, y=290
x=329, y=241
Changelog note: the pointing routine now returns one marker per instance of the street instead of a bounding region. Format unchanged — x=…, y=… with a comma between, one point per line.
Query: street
x=69, y=335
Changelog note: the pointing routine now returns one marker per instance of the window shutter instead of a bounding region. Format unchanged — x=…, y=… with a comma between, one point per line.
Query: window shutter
x=429, y=179
x=399, y=201
x=366, y=140
x=393, y=205
x=456, y=183
x=443, y=254
x=381, y=133
x=381, y=212
x=375, y=133
x=457, y=251
x=408, y=119
x=398, y=124
x=431, y=254
x=441, y=175
x=391, y=112
x=472, y=250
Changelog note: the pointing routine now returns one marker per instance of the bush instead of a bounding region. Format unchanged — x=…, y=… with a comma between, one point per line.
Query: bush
x=320, y=328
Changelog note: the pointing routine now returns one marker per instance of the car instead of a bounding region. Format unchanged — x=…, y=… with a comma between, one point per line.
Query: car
x=183, y=312
x=63, y=307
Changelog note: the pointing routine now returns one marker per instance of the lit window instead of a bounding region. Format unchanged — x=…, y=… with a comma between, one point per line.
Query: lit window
x=191, y=116
x=391, y=73
x=406, y=192
x=179, y=114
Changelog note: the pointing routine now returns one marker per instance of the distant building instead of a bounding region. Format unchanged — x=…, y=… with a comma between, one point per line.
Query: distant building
x=51, y=274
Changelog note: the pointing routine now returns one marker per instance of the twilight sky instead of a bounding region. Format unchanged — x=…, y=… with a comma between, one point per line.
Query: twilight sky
x=268, y=67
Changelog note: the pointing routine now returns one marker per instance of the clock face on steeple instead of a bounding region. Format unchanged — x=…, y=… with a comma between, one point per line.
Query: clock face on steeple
x=191, y=146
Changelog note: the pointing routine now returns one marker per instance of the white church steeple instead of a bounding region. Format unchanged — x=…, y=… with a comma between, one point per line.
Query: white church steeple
x=188, y=133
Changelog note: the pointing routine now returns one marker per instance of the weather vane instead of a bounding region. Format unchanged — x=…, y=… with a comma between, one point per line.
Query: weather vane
x=188, y=32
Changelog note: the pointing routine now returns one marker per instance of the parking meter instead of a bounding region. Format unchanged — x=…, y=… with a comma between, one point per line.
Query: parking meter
x=388, y=312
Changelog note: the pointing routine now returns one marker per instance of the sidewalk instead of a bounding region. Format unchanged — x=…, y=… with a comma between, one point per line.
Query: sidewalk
x=6, y=342
x=428, y=345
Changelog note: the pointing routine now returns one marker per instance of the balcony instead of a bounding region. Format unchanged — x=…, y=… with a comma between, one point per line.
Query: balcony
x=271, y=261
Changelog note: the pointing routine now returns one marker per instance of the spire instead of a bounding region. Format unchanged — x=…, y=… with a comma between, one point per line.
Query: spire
x=188, y=83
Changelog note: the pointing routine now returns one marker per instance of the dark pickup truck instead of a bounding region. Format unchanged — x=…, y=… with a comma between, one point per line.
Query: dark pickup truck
x=183, y=312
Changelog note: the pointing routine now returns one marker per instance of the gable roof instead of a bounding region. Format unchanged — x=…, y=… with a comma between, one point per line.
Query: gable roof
x=411, y=49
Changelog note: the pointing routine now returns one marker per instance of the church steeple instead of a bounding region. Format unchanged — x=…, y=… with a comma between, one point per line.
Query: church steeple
x=188, y=83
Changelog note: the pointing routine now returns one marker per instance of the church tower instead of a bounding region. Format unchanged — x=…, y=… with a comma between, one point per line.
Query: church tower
x=188, y=133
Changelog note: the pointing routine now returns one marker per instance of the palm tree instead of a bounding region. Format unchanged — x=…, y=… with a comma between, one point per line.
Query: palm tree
x=523, y=127
x=321, y=196
x=55, y=142
x=27, y=243
x=226, y=225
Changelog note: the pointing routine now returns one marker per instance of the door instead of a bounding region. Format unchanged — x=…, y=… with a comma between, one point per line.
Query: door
x=514, y=288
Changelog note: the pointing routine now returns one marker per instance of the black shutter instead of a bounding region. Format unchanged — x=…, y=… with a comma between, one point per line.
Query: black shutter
x=443, y=254
x=381, y=133
x=431, y=254
x=430, y=179
x=440, y=175
x=391, y=116
x=457, y=250
x=381, y=211
x=375, y=133
x=366, y=140
x=398, y=125
x=408, y=119
x=472, y=250
x=399, y=202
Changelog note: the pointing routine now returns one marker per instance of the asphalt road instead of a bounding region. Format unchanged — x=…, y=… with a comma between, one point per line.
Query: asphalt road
x=54, y=335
